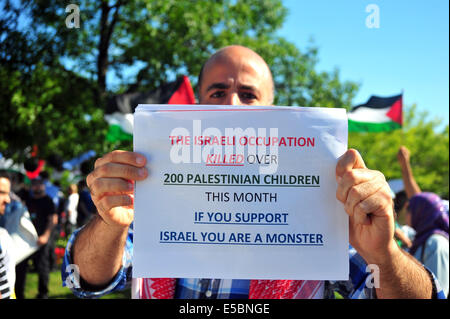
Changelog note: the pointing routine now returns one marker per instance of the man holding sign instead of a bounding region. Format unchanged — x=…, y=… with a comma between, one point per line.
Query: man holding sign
x=236, y=75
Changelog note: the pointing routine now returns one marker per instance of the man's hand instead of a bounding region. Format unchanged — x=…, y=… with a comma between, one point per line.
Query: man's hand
x=99, y=247
x=367, y=200
x=400, y=235
x=42, y=240
x=409, y=182
x=403, y=156
x=112, y=184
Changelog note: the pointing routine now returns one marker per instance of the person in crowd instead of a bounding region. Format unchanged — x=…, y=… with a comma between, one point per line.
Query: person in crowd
x=85, y=207
x=51, y=189
x=427, y=214
x=72, y=205
x=59, y=228
x=7, y=265
x=236, y=75
x=7, y=257
x=22, y=188
x=5, y=189
x=429, y=218
x=14, y=211
x=44, y=217
x=402, y=235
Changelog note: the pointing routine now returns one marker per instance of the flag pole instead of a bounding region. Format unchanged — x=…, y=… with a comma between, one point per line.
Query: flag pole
x=402, y=128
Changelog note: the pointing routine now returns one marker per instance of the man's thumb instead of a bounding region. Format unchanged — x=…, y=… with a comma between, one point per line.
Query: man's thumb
x=348, y=161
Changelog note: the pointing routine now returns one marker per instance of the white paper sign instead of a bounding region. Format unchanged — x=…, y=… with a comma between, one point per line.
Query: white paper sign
x=240, y=193
x=23, y=235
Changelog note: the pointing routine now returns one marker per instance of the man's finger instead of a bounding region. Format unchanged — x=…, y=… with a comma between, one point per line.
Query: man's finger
x=108, y=202
x=376, y=204
x=360, y=193
x=348, y=161
x=355, y=177
x=111, y=185
x=123, y=157
x=113, y=170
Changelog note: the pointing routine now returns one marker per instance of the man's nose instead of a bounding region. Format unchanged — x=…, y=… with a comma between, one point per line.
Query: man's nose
x=233, y=99
x=5, y=199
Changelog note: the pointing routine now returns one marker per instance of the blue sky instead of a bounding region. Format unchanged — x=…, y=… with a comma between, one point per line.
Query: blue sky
x=409, y=51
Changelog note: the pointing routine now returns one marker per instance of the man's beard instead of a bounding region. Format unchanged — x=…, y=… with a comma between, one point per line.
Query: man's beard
x=39, y=193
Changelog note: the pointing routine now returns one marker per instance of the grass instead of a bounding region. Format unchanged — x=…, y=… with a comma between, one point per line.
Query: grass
x=57, y=291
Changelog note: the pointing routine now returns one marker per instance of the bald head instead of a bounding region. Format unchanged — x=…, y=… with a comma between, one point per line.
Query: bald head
x=236, y=75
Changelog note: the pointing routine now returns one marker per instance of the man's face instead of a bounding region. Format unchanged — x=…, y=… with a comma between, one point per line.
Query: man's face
x=5, y=189
x=237, y=78
x=38, y=188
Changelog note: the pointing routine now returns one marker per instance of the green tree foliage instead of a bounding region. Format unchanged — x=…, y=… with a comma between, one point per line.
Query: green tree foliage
x=429, y=151
x=51, y=109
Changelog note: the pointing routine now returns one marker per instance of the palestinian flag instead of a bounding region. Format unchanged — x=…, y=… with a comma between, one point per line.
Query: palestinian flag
x=120, y=108
x=379, y=114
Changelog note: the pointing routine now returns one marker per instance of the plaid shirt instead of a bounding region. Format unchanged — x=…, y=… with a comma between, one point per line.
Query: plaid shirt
x=212, y=289
x=354, y=288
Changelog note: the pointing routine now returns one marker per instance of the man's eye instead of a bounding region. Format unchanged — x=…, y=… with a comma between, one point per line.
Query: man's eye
x=218, y=94
x=248, y=96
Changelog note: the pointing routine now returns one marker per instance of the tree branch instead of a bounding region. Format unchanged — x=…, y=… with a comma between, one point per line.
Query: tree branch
x=106, y=30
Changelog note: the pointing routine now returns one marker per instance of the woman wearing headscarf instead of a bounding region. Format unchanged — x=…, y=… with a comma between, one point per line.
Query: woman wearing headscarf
x=428, y=216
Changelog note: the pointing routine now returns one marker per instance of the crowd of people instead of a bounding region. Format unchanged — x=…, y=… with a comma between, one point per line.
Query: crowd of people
x=40, y=212
x=102, y=248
